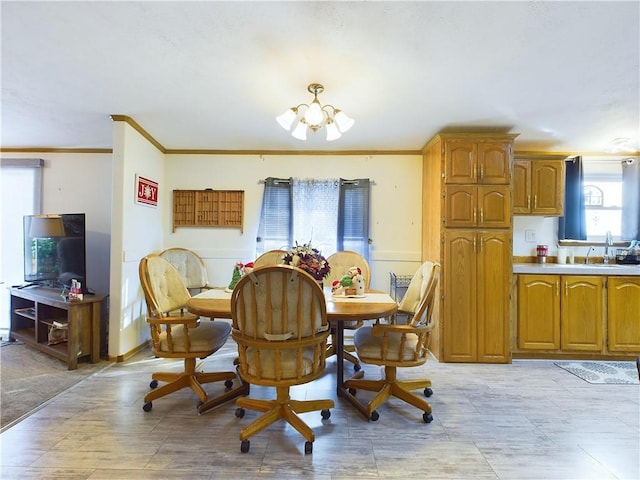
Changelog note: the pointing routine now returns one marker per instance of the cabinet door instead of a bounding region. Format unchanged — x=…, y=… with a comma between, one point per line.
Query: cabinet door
x=494, y=205
x=461, y=206
x=494, y=163
x=623, y=315
x=460, y=161
x=493, y=285
x=521, y=186
x=460, y=296
x=547, y=187
x=581, y=313
x=539, y=312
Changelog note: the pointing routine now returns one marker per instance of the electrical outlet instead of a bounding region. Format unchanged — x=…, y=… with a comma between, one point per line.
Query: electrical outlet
x=530, y=236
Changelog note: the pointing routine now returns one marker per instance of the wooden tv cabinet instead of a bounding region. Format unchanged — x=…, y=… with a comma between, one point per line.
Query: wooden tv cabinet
x=34, y=310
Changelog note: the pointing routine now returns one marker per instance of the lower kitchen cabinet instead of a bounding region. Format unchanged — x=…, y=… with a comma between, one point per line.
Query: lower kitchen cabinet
x=538, y=312
x=623, y=320
x=568, y=314
x=581, y=313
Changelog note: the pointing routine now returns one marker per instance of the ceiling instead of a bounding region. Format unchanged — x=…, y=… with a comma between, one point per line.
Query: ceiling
x=212, y=75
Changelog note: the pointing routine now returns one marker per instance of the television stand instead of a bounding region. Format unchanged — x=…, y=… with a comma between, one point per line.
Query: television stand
x=41, y=318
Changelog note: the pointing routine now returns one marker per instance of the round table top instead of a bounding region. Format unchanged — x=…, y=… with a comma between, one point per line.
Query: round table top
x=216, y=303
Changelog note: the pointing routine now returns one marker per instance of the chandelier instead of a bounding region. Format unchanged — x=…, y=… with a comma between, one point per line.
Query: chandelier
x=315, y=116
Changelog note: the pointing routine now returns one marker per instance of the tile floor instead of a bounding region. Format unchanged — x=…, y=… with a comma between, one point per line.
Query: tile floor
x=526, y=420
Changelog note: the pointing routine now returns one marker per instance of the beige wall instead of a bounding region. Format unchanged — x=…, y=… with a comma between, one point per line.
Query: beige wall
x=136, y=231
x=395, y=204
x=80, y=183
x=120, y=232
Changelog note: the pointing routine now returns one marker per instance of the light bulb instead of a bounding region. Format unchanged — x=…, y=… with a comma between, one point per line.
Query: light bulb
x=314, y=115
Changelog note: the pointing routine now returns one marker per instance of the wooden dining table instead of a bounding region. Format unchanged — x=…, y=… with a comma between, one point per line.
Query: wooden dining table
x=216, y=303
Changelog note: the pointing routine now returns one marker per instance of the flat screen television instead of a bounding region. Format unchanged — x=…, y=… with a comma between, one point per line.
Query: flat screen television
x=54, y=249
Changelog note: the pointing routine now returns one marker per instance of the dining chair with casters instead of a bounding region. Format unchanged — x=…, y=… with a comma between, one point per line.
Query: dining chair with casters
x=340, y=263
x=396, y=345
x=279, y=320
x=272, y=257
x=177, y=333
x=191, y=267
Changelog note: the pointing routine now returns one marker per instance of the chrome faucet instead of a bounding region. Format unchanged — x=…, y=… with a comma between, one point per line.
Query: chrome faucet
x=608, y=242
x=586, y=259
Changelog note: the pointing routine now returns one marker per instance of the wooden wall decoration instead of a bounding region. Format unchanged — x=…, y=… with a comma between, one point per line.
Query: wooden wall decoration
x=208, y=208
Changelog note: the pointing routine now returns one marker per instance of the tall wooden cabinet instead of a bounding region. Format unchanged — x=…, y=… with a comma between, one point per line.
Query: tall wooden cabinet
x=467, y=227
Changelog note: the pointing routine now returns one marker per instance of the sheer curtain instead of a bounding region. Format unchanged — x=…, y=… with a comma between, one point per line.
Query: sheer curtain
x=332, y=214
x=573, y=225
x=631, y=199
x=315, y=209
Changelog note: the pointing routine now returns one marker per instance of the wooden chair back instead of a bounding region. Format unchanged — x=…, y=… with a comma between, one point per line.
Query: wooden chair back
x=190, y=266
x=279, y=321
x=340, y=263
x=272, y=257
x=173, y=329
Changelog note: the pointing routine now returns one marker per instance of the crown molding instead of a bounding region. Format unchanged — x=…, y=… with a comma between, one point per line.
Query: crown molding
x=133, y=124
x=54, y=150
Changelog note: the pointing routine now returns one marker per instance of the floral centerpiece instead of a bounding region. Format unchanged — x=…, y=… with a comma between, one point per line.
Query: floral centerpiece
x=309, y=259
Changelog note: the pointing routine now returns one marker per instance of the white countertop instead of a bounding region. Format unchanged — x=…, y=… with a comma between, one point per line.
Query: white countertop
x=577, y=269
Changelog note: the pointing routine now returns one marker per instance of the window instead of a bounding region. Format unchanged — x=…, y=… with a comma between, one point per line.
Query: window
x=603, y=198
x=331, y=214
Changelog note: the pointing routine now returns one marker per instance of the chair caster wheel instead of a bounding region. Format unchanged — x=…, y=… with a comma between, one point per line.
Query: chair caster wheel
x=428, y=392
x=325, y=414
x=375, y=416
x=308, y=448
x=427, y=417
x=240, y=414
x=228, y=384
x=147, y=407
x=357, y=367
x=352, y=391
x=153, y=384
x=244, y=446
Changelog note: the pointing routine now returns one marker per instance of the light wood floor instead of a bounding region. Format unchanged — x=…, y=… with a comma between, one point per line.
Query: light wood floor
x=527, y=420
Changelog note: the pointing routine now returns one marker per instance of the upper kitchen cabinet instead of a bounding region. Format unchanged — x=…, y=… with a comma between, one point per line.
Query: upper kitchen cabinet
x=468, y=160
x=486, y=206
x=538, y=186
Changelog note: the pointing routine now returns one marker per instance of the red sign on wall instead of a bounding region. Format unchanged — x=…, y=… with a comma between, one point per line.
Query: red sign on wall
x=146, y=191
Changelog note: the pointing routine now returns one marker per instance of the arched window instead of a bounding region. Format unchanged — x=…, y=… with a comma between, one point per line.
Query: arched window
x=593, y=196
